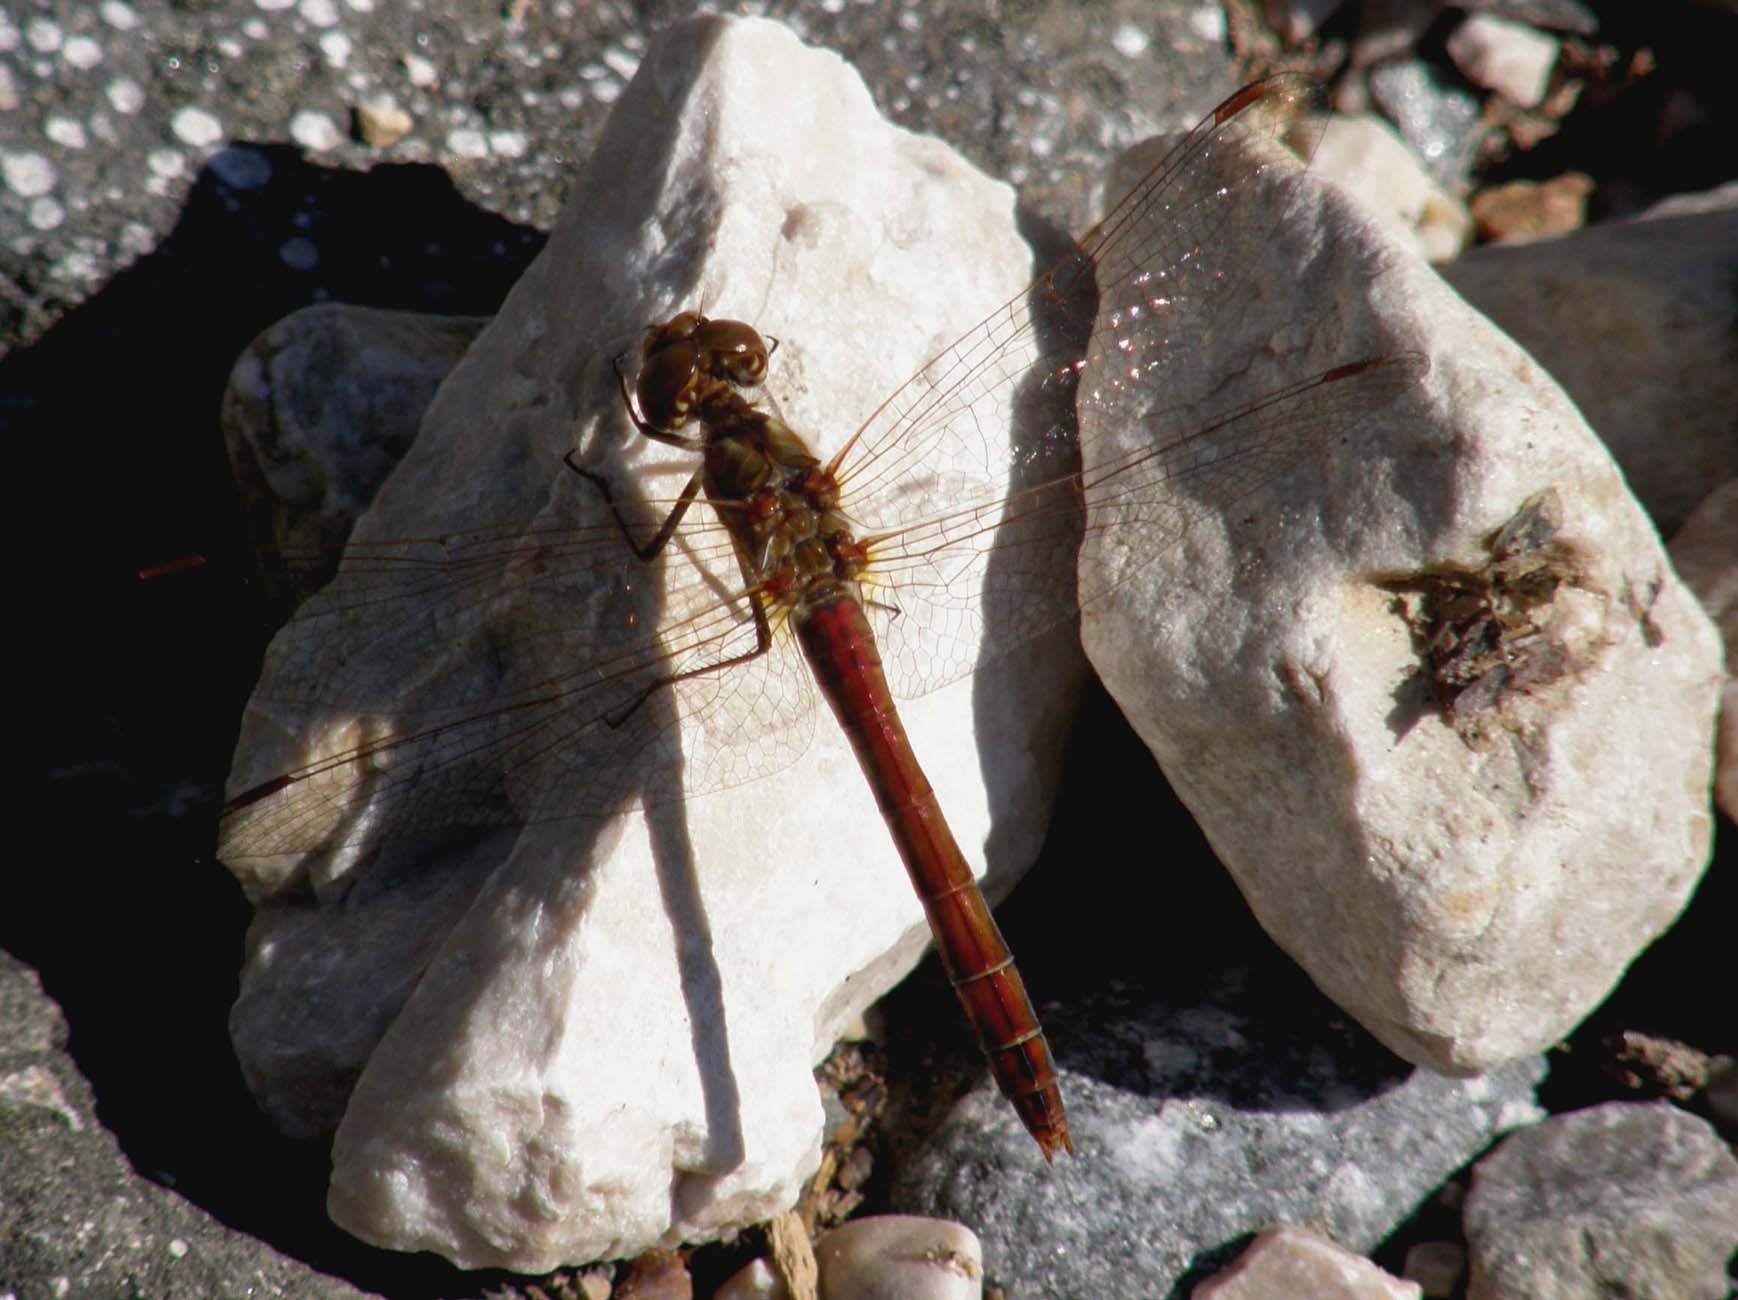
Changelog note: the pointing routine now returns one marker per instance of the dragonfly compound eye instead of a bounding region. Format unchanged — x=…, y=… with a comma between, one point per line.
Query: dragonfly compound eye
x=665, y=387
x=732, y=350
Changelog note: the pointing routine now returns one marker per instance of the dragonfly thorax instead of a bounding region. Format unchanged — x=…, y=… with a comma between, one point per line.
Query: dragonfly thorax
x=779, y=503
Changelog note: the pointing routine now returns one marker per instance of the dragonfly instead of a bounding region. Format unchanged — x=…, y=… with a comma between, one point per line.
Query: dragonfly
x=783, y=576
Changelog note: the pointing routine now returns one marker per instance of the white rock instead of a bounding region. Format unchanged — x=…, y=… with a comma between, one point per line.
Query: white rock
x=597, y=1036
x=900, y=1257
x=1467, y=899
x=1508, y=57
x=315, y=131
x=755, y=1282
x=27, y=174
x=1366, y=156
x=1287, y=1262
x=194, y=126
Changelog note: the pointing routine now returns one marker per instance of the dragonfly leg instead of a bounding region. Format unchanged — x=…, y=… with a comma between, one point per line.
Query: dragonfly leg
x=666, y=530
x=762, y=643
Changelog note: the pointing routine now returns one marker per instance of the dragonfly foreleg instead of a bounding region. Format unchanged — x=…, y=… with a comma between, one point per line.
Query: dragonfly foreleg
x=762, y=643
x=666, y=530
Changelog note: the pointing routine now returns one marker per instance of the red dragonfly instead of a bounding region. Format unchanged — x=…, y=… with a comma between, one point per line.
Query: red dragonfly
x=798, y=571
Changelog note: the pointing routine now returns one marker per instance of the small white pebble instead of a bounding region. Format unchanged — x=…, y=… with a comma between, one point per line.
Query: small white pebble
x=166, y=163
x=177, y=1247
x=196, y=127
x=381, y=122
x=256, y=29
x=230, y=48
x=1508, y=57
x=46, y=213
x=44, y=36
x=27, y=174
x=9, y=35
x=507, y=144
x=315, y=131
x=335, y=48
x=65, y=132
x=622, y=64
x=118, y=15
x=467, y=143
x=319, y=13
x=420, y=71
x=125, y=95
x=360, y=6
x=271, y=5
x=82, y=52
x=1208, y=23
x=1129, y=41
x=77, y=267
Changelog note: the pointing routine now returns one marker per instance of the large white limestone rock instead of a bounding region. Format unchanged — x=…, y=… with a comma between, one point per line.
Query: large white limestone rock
x=1468, y=881
x=581, y=1038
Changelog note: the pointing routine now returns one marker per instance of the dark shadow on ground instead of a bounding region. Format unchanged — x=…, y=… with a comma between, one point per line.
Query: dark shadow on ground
x=136, y=931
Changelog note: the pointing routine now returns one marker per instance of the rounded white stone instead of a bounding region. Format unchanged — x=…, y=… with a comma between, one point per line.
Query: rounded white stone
x=66, y=132
x=43, y=35
x=196, y=127
x=27, y=174
x=46, y=213
x=82, y=52
x=466, y=142
x=125, y=95
x=315, y=131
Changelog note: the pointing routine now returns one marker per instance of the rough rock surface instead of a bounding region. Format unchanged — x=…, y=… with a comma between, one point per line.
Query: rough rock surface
x=1427, y=680
x=1200, y=1120
x=318, y=411
x=92, y=1226
x=1620, y=1199
x=591, y=1036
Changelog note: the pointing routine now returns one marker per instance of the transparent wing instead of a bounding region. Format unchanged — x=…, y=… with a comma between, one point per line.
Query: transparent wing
x=437, y=686
x=438, y=677
x=975, y=534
